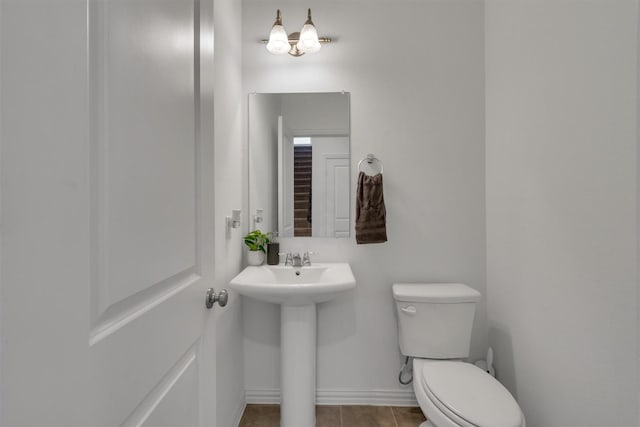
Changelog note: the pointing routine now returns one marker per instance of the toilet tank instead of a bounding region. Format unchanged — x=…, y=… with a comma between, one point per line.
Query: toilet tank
x=435, y=319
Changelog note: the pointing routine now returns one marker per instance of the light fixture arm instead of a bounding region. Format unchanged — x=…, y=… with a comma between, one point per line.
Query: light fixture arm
x=309, y=21
x=278, y=18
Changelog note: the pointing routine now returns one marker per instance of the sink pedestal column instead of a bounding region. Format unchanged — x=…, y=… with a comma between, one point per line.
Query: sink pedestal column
x=298, y=366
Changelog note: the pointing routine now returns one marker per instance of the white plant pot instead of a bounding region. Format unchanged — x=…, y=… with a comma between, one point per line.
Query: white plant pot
x=255, y=258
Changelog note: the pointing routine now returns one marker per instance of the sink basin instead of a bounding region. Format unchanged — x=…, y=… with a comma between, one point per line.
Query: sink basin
x=294, y=286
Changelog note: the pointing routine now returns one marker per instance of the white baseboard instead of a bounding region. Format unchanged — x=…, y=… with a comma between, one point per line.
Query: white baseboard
x=265, y=396
x=340, y=397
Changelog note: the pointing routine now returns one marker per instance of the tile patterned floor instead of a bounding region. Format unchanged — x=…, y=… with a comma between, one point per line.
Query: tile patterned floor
x=339, y=416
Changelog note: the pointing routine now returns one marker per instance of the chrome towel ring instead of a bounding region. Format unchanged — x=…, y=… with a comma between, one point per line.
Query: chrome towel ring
x=370, y=160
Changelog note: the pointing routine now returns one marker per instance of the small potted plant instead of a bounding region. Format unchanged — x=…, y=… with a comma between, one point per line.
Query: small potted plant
x=256, y=241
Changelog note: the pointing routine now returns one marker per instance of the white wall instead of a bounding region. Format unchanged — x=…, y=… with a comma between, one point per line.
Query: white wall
x=230, y=181
x=561, y=207
x=324, y=113
x=417, y=102
x=263, y=160
x=638, y=212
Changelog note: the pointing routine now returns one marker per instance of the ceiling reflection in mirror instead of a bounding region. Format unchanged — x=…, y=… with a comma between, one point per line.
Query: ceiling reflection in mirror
x=299, y=164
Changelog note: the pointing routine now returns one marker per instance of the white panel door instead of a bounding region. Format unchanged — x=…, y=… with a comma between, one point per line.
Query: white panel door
x=330, y=181
x=337, y=196
x=106, y=146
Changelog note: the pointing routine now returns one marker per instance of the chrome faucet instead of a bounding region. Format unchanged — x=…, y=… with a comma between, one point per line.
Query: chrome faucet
x=296, y=260
x=292, y=258
x=306, y=258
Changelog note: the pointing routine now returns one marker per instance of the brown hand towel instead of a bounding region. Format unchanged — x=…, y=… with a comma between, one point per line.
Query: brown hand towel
x=370, y=211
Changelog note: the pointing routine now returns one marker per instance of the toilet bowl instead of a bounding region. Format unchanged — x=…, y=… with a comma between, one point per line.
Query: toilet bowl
x=434, y=327
x=459, y=394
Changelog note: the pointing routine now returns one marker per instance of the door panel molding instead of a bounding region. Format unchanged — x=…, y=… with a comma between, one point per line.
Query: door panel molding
x=132, y=275
x=152, y=400
x=122, y=313
x=338, y=202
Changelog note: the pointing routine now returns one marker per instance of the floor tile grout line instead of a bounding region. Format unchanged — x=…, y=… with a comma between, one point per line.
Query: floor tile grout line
x=248, y=415
x=393, y=415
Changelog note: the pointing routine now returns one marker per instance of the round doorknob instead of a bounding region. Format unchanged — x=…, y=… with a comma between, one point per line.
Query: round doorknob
x=221, y=298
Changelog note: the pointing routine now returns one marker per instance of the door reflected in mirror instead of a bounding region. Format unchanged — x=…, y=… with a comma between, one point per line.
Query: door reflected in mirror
x=299, y=164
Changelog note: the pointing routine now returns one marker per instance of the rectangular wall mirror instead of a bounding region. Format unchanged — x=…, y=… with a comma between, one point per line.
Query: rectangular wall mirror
x=299, y=164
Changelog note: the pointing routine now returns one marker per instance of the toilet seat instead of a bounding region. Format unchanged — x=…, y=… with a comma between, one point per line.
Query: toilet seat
x=464, y=395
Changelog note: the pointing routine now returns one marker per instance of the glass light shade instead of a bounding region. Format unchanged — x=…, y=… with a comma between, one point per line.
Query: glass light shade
x=278, y=40
x=308, y=42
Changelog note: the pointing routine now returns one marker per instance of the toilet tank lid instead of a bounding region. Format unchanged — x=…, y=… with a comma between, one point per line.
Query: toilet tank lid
x=442, y=293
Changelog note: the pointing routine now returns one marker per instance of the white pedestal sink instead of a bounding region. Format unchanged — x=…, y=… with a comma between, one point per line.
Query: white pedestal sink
x=297, y=290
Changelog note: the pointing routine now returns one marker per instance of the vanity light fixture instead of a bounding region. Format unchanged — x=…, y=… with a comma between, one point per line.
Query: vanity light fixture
x=278, y=42
x=295, y=44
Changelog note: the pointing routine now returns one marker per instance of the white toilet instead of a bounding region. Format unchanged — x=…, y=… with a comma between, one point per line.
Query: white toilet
x=435, y=322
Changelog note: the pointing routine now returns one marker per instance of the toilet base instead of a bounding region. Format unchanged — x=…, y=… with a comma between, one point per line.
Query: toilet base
x=426, y=424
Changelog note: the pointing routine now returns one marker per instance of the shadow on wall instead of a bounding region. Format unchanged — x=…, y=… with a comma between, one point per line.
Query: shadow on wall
x=502, y=345
x=337, y=320
x=408, y=370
